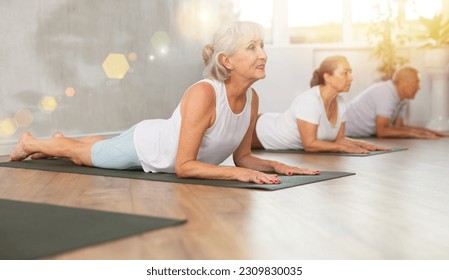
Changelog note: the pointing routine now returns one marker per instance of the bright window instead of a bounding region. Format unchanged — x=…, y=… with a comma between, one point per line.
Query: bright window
x=330, y=21
x=317, y=21
x=260, y=11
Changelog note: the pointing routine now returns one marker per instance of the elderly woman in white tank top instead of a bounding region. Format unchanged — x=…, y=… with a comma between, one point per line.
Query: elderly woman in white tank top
x=315, y=121
x=214, y=120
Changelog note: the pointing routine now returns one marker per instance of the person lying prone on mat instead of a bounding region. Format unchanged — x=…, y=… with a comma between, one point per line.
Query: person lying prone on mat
x=315, y=121
x=380, y=109
x=214, y=120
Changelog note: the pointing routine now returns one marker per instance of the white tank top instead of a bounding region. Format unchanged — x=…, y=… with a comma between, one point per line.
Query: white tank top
x=156, y=141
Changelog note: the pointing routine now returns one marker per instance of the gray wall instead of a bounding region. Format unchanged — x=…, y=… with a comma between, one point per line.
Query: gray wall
x=49, y=45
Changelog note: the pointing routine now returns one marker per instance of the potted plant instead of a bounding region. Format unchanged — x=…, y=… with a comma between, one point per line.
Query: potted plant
x=387, y=36
x=435, y=35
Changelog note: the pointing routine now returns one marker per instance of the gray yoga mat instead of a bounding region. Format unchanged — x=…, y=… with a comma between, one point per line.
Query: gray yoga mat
x=392, y=150
x=32, y=230
x=64, y=165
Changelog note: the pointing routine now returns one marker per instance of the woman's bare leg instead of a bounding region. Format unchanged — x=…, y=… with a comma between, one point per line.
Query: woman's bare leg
x=88, y=139
x=77, y=151
x=91, y=139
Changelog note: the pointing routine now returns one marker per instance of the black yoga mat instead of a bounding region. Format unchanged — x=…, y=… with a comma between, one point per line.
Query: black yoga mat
x=64, y=165
x=32, y=230
x=392, y=150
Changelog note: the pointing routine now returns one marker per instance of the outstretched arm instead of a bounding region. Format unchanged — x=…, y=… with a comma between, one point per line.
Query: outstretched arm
x=308, y=133
x=400, y=123
x=358, y=143
x=399, y=130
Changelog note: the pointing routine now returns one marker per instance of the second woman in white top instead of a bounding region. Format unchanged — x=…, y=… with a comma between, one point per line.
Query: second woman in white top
x=315, y=121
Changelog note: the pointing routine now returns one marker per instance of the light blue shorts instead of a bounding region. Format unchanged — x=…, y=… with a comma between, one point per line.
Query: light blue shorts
x=116, y=153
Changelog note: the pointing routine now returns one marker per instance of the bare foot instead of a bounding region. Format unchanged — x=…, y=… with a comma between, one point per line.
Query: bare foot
x=18, y=153
x=42, y=155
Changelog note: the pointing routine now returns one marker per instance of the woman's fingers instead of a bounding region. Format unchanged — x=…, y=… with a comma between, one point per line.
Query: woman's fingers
x=299, y=171
x=271, y=179
x=305, y=171
x=266, y=179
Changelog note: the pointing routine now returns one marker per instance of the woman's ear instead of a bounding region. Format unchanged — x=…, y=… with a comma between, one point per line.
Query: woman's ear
x=224, y=59
x=326, y=78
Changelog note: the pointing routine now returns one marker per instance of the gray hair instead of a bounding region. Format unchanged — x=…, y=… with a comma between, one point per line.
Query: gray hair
x=227, y=41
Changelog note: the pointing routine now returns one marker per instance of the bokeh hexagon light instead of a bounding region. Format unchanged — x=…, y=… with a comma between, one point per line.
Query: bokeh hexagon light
x=48, y=104
x=69, y=91
x=8, y=127
x=115, y=66
x=161, y=41
x=24, y=117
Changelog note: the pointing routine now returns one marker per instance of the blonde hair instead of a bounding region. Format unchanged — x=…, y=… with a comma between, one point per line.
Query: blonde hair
x=328, y=65
x=227, y=41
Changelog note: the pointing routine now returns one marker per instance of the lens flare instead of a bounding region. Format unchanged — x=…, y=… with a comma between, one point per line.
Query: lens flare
x=69, y=91
x=161, y=41
x=24, y=118
x=115, y=66
x=132, y=56
x=198, y=19
x=8, y=127
x=48, y=104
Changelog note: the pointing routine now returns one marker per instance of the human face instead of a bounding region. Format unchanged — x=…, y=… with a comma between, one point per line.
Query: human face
x=410, y=87
x=341, y=79
x=249, y=61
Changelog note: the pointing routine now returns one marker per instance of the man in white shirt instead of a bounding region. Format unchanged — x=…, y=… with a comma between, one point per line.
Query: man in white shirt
x=380, y=109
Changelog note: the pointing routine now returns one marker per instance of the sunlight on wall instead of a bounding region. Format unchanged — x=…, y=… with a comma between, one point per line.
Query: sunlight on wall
x=115, y=66
x=195, y=20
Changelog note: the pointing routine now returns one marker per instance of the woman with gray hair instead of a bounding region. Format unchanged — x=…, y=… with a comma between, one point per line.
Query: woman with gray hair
x=214, y=120
x=315, y=121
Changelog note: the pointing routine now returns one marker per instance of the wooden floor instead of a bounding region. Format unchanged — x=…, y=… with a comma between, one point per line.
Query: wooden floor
x=395, y=207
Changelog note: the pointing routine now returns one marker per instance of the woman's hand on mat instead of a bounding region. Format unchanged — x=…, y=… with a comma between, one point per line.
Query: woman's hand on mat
x=355, y=150
x=352, y=146
x=372, y=147
x=423, y=134
x=284, y=169
x=249, y=175
x=441, y=134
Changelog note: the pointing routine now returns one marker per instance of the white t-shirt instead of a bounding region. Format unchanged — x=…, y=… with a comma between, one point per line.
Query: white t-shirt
x=380, y=99
x=279, y=131
x=156, y=141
